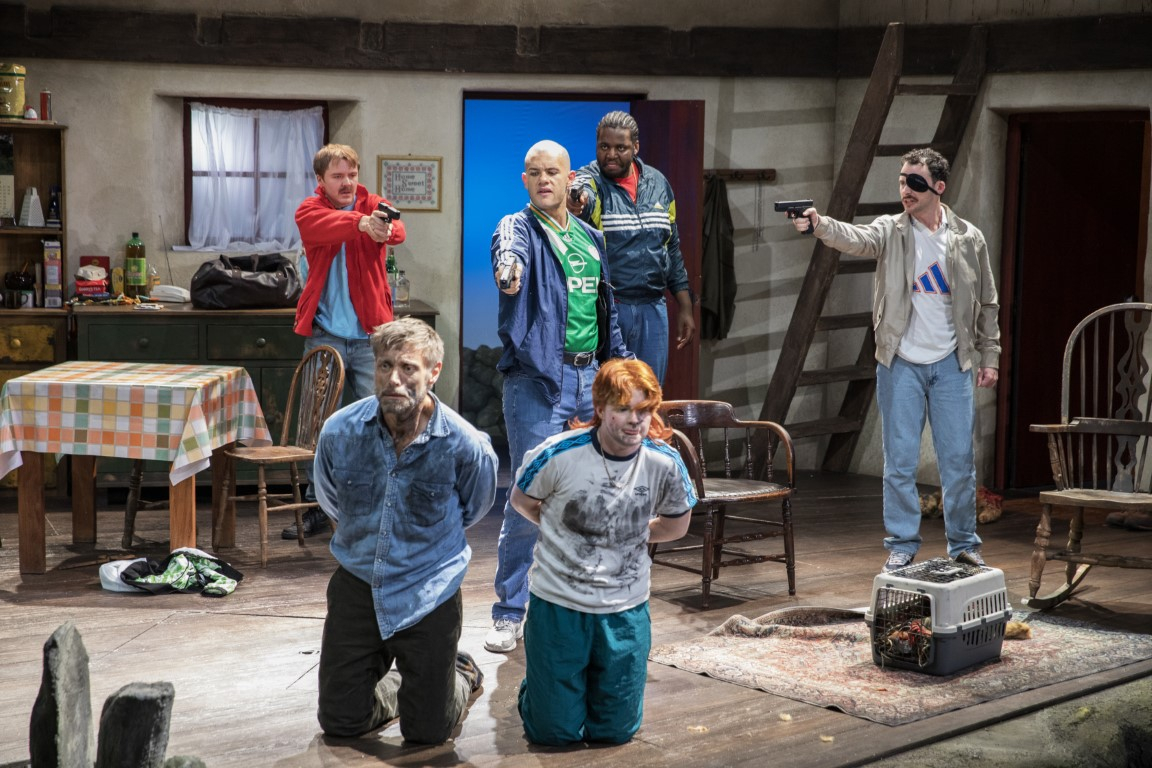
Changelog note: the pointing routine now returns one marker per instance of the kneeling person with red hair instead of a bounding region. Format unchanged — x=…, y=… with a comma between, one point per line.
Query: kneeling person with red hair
x=600, y=494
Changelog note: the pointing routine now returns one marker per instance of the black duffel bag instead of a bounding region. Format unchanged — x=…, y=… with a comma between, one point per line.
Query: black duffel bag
x=246, y=282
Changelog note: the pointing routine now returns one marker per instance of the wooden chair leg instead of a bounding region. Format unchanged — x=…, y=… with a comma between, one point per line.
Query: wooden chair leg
x=1075, y=538
x=1039, y=560
x=789, y=545
x=718, y=540
x=707, y=553
x=262, y=508
x=220, y=507
x=297, y=494
x=133, y=503
x=297, y=497
x=1040, y=549
x=226, y=524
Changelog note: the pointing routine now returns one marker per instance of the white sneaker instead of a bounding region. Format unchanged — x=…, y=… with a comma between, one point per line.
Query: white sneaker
x=897, y=560
x=503, y=635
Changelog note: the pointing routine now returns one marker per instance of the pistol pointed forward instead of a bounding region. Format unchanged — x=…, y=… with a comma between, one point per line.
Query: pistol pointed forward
x=505, y=264
x=388, y=213
x=795, y=209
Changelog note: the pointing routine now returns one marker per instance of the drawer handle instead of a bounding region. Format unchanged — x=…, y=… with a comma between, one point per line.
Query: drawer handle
x=261, y=342
x=15, y=343
x=142, y=343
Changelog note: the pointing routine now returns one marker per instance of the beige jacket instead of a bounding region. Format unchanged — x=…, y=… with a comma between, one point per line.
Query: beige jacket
x=975, y=304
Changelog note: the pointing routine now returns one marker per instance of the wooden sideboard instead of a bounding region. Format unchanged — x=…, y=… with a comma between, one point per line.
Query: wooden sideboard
x=31, y=339
x=260, y=340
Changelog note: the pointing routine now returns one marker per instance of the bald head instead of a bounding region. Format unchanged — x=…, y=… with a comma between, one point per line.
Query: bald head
x=549, y=148
x=547, y=174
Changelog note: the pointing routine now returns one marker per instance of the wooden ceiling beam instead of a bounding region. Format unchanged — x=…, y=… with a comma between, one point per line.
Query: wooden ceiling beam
x=107, y=34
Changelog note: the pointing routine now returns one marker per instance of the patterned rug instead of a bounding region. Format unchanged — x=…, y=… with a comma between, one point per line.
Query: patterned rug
x=824, y=657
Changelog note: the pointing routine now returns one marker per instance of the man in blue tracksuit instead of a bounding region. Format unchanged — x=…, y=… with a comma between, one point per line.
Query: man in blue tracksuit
x=633, y=205
x=548, y=266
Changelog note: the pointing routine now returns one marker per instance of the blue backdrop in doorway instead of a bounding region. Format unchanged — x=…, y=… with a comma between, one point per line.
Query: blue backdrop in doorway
x=497, y=135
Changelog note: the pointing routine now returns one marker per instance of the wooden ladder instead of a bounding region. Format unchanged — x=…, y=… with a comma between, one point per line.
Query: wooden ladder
x=808, y=318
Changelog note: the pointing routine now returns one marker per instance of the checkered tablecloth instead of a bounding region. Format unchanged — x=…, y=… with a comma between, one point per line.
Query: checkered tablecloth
x=170, y=413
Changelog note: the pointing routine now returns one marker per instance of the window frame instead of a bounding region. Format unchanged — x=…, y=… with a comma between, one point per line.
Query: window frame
x=283, y=105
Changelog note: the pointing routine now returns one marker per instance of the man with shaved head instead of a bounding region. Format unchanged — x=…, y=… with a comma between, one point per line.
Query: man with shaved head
x=549, y=268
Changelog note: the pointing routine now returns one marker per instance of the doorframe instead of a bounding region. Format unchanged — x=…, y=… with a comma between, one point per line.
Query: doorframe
x=1009, y=252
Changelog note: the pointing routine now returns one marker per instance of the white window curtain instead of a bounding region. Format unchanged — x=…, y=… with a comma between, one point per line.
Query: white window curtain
x=251, y=168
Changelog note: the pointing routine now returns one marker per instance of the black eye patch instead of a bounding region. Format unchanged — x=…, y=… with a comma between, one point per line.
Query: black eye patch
x=918, y=183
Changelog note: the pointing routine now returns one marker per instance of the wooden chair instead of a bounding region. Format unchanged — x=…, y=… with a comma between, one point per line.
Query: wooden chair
x=737, y=481
x=1099, y=450
x=313, y=396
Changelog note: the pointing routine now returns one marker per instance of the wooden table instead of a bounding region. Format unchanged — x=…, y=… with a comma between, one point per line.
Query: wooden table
x=181, y=414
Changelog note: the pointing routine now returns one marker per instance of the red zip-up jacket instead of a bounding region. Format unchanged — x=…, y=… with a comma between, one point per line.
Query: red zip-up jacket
x=323, y=229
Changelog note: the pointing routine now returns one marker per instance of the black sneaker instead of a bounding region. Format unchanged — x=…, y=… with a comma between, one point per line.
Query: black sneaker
x=971, y=557
x=467, y=666
x=315, y=521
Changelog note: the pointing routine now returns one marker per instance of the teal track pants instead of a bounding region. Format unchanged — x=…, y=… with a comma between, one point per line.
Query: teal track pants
x=585, y=674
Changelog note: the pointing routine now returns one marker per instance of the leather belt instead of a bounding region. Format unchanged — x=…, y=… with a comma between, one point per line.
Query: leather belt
x=579, y=359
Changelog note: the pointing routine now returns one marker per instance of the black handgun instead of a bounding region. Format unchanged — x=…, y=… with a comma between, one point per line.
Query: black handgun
x=795, y=209
x=574, y=192
x=390, y=213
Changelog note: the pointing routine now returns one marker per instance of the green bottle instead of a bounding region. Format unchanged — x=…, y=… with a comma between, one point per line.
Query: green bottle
x=135, y=268
x=390, y=265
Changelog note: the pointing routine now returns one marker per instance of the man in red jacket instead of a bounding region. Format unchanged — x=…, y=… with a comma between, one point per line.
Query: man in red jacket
x=345, y=274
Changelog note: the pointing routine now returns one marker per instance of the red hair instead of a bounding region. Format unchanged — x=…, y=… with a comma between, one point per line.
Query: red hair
x=614, y=384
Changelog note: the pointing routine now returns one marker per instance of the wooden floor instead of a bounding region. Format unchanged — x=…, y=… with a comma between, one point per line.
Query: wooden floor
x=244, y=666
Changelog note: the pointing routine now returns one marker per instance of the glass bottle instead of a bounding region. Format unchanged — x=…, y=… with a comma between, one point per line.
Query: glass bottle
x=403, y=294
x=135, y=268
x=390, y=265
x=53, y=221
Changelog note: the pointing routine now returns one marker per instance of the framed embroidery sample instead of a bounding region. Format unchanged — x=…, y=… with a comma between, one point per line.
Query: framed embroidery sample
x=410, y=183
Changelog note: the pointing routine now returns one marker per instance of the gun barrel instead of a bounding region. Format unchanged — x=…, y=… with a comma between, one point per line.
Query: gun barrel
x=793, y=205
x=795, y=210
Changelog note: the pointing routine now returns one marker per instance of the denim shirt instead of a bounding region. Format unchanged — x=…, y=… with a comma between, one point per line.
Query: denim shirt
x=401, y=519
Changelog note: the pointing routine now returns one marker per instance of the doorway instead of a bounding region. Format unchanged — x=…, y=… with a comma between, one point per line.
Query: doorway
x=498, y=130
x=1075, y=238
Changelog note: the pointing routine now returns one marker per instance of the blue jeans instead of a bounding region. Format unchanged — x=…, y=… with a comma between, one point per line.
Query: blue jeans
x=645, y=331
x=359, y=373
x=530, y=419
x=359, y=362
x=907, y=393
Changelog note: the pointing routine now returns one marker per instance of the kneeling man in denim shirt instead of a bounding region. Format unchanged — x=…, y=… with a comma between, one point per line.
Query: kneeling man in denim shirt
x=401, y=475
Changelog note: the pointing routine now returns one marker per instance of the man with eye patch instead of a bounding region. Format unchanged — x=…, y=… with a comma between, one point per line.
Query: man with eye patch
x=935, y=317
x=402, y=475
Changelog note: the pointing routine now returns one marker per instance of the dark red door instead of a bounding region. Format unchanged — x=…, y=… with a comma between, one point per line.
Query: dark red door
x=1075, y=235
x=672, y=140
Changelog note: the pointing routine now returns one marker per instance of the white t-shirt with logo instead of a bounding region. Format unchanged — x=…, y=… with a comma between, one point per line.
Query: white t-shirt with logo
x=592, y=553
x=931, y=332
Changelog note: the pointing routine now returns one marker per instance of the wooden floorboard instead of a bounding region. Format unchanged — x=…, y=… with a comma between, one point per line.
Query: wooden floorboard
x=244, y=666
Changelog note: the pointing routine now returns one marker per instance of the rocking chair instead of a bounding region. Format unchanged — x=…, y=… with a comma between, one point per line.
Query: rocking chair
x=1099, y=450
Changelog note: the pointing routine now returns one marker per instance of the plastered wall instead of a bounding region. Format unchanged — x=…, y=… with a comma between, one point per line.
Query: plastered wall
x=124, y=171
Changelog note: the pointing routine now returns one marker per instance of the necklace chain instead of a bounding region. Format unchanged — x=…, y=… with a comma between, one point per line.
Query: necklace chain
x=626, y=476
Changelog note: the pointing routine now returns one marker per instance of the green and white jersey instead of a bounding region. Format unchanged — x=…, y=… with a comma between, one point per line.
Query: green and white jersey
x=580, y=261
